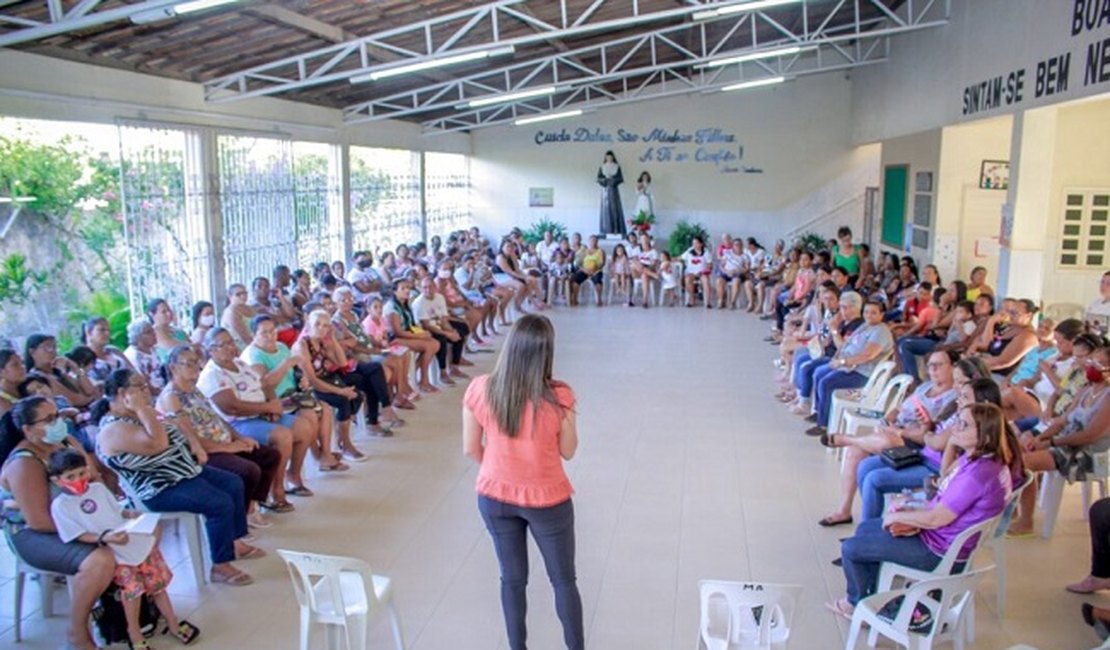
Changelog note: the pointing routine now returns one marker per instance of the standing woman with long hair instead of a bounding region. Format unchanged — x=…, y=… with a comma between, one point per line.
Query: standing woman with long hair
x=519, y=425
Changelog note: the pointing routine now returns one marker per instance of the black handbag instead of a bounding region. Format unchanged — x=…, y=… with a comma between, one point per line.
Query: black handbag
x=900, y=457
x=110, y=622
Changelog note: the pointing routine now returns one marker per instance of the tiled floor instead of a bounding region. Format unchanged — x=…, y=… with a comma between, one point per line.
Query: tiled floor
x=686, y=470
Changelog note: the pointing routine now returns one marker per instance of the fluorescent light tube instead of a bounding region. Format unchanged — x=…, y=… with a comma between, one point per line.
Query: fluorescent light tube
x=755, y=56
x=510, y=97
x=549, y=116
x=199, y=5
x=430, y=64
x=18, y=199
x=737, y=8
x=754, y=84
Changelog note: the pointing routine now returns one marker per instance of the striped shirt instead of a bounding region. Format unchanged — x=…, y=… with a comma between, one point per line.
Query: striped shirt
x=146, y=476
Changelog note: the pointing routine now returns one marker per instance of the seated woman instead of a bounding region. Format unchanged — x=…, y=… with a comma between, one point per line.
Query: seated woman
x=848, y=319
x=168, y=335
x=978, y=285
x=96, y=334
x=811, y=322
x=793, y=297
x=698, y=263
x=204, y=319
x=166, y=472
x=377, y=328
x=29, y=433
x=972, y=490
x=237, y=316
x=1012, y=339
x=645, y=268
x=141, y=340
x=876, y=478
x=767, y=276
x=195, y=416
x=329, y=385
x=478, y=310
x=475, y=279
x=508, y=271
x=732, y=265
x=236, y=391
x=358, y=345
x=1067, y=444
x=407, y=331
x=982, y=308
x=41, y=358
x=852, y=365
x=959, y=326
x=1027, y=398
x=591, y=267
x=907, y=424
x=12, y=374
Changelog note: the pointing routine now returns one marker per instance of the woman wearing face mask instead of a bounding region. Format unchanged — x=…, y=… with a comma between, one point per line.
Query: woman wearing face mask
x=1070, y=440
x=204, y=319
x=29, y=433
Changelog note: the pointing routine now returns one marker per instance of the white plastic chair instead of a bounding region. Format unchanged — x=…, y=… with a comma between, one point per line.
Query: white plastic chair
x=189, y=527
x=741, y=615
x=341, y=593
x=892, y=395
x=842, y=399
x=638, y=288
x=950, y=610
x=997, y=541
x=46, y=591
x=893, y=575
x=1052, y=491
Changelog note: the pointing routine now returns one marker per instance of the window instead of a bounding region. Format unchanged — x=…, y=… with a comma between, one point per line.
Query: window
x=1083, y=234
x=446, y=193
x=385, y=198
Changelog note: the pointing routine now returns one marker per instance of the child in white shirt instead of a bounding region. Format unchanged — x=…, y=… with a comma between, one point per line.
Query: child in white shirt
x=89, y=513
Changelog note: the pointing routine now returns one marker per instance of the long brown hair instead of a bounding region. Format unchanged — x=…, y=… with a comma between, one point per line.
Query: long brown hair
x=994, y=435
x=522, y=373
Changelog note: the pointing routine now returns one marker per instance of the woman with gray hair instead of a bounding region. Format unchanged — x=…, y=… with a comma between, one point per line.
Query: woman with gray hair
x=141, y=341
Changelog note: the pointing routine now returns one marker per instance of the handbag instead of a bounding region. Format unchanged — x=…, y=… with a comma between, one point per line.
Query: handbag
x=816, y=350
x=901, y=457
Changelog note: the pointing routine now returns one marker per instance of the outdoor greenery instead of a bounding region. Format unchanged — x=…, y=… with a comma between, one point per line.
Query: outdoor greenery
x=683, y=235
x=811, y=241
x=535, y=232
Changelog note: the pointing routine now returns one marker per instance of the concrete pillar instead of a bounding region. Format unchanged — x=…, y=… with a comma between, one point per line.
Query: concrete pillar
x=1023, y=258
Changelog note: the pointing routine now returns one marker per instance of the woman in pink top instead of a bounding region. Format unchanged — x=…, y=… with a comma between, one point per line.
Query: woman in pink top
x=519, y=425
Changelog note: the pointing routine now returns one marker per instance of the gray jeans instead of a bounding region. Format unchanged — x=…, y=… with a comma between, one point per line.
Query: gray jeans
x=553, y=530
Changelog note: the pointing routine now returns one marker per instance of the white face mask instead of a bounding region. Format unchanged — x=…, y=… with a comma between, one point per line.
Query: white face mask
x=208, y=320
x=443, y=274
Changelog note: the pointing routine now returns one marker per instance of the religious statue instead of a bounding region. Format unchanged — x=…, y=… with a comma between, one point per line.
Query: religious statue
x=609, y=177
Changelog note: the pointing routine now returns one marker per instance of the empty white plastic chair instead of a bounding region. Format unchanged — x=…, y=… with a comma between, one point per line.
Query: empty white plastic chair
x=850, y=398
x=341, y=593
x=946, y=598
x=736, y=615
x=1052, y=491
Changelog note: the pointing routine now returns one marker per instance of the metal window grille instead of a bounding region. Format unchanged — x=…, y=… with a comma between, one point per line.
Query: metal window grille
x=1083, y=229
x=317, y=203
x=163, y=210
x=256, y=205
x=446, y=193
x=385, y=198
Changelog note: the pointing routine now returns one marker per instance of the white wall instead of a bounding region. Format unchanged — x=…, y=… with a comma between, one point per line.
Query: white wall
x=40, y=87
x=797, y=133
x=922, y=84
x=1081, y=161
x=919, y=152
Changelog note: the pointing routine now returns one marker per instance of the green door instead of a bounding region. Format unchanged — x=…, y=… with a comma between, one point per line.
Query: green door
x=894, y=205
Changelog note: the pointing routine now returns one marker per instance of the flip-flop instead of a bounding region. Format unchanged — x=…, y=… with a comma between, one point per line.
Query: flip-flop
x=279, y=507
x=1029, y=534
x=186, y=632
x=840, y=608
x=237, y=579
x=299, y=491
x=829, y=440
x=338, y=467
x=829, y=522
x=252, y=554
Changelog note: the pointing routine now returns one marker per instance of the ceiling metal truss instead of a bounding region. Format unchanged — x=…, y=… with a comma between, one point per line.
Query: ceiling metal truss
x=449, y=34
x=669, y=61
x=671, y=57
x=59, y=20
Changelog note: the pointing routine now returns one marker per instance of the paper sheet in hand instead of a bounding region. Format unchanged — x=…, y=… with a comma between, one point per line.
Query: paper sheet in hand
x=144, y=524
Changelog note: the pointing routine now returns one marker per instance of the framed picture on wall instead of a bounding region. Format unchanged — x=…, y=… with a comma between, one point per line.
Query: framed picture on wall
x=541, y=197
x=994, y=175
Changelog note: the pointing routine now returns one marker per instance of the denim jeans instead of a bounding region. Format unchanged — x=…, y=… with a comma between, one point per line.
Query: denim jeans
x=877, y=479
x=216, y=494
x=864, y=553
x=553, y=530
x=912, y=347
x=826, y=379
x=804, y=369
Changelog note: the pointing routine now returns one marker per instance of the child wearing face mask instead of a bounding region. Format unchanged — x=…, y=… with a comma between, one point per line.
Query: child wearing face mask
x=87, y=512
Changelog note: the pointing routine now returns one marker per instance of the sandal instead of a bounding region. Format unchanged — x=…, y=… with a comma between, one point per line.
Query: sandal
x=186, y=632
x=339, y=466
x=829, y=440
x=841, y=607
x=253, y=554
x=299, y=491
x=280, y=507
x=236, y=579
x=355, y=454
x=139, y=645
x=829, y=522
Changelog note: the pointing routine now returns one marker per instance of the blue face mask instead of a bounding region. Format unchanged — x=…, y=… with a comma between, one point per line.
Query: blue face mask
x=56, y=432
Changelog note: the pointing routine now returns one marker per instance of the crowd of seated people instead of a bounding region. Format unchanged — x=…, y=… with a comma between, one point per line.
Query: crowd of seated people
x=221, y=419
